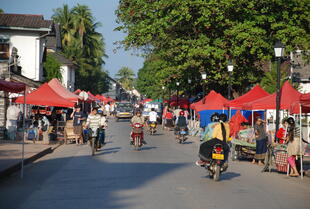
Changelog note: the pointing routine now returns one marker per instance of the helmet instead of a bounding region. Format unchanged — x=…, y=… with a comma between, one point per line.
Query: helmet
x=223, y=117
x=214, y=117
x=182, y=113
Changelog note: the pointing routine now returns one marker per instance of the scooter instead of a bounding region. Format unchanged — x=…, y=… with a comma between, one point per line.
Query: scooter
x=137, y=133
x=182, y=135
x=153, y=126
x=215, y=166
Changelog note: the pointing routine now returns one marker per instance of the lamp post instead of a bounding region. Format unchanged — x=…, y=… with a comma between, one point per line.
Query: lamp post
x=189, y=81
x=163, y=88
x=279, y=51
x=178, y=84
x=204, y=77
x=230, y=68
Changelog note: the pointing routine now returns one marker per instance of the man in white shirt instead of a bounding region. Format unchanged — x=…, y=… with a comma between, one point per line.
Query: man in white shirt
x=107, y=109
x=153, y=116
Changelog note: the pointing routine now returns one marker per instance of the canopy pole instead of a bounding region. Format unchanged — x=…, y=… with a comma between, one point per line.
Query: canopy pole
x=300, y=144
x=24, y=135
x=252, y=118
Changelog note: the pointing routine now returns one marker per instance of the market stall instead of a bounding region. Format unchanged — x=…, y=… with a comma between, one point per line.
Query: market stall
x=15, y=87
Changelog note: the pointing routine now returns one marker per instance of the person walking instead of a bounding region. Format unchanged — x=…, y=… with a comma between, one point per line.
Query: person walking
x=78, y=118
x=293, y=145
x=261, y=141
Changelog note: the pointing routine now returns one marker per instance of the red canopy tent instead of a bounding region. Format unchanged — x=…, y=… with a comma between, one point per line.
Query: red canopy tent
x=45, y=96
x=288, y=96
x=62, y=91
x=91, y=96
x=303, y=103
x=213, y=102
x=12, y=86
x=200, y=102
x=254, y=94
x=77, y=91
x=101, y=98
x=109, y=99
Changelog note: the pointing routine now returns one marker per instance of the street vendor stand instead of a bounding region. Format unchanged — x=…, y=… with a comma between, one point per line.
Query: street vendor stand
x=15, y=87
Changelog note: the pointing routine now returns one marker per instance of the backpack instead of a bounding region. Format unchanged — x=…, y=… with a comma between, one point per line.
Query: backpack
x=181, y=121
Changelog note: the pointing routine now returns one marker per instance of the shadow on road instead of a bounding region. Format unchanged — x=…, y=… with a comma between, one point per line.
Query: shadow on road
x=229, y=175
x=71, y=182
x=147, y=148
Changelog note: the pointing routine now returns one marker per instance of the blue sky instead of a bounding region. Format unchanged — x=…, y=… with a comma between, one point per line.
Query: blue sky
x=103, y=11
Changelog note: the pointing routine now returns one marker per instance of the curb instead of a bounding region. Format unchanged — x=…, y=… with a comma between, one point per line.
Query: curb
x=14, y=168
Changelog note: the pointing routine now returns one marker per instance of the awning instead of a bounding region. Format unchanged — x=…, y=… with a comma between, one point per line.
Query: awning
x=11, y=86
x=45, y=96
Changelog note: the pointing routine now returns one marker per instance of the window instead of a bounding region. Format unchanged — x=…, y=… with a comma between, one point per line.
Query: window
x=4, y=51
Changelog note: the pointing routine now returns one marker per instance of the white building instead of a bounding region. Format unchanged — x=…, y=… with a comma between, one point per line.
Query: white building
x=26, y=33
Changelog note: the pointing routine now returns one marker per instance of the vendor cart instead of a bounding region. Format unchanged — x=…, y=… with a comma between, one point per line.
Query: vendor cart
x=242, y=149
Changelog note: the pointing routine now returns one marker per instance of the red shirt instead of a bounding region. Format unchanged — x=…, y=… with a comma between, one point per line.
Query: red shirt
x=169, y=115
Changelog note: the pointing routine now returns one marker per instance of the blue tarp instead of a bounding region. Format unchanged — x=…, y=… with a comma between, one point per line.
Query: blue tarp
x=206, y=114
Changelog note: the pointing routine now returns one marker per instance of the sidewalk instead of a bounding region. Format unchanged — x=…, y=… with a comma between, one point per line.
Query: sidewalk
x=11, y=154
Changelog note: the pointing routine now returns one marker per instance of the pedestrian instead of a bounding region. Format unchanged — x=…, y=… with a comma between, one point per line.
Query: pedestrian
x=78, y=118
x=169, y=120
x=107, y=109
x=261, y=141
x=293, y=145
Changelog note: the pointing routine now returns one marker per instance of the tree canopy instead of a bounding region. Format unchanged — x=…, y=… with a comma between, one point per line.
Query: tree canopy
x=83, y=45
x=52, y=68
x=194, y=36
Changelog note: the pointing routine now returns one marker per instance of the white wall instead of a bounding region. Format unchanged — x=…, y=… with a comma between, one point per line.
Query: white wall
x=68, y=77
x=30, y=51
x=305, y=88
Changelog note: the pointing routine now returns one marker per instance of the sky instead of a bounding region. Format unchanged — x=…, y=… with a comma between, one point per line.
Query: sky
x=102, y=10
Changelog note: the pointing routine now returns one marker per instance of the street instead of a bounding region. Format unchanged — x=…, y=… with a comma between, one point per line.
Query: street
x=160, y=176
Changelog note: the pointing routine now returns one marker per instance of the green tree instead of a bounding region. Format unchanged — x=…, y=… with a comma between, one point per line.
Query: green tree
x=83, y=45
x=52, y=68
x=1, y=11
x=126, y=77
x=192, y=36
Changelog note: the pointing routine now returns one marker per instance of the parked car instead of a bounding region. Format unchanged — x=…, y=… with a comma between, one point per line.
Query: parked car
x=124, y=110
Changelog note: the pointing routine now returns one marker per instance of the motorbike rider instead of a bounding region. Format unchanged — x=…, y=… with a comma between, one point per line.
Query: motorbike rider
x=180, y=122
x=208, y=133
x=94, y=121
x=138, y=118
x=153, y=116
x=103, y=126
x=220, y=135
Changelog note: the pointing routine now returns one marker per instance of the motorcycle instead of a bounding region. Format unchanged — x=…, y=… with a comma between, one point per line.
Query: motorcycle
x=215, y=166
x=153, y=126
x=137, y=134
x=94, y=140
x=182, y=135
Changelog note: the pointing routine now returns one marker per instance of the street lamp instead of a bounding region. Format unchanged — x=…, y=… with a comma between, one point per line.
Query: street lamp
x=230, y=68
x=204, y=77
x=178, y=83
x=279, y=52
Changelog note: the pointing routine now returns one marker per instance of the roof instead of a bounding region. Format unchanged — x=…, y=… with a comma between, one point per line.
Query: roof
x=288, y=95
x=53, y=41
x=61, y=58
x=24, y=21
x=45, y=96
x=255, y=93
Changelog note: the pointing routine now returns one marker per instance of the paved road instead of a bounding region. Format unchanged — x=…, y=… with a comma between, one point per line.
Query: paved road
x=160, y=176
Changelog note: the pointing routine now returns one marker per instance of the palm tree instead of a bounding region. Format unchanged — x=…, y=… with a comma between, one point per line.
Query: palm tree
x=82, y=20
x=126, y=77
x=63, y=16
x=1, y=11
